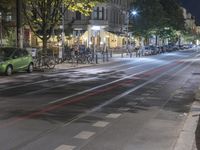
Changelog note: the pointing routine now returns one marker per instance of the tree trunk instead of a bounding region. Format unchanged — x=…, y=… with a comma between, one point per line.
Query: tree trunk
x=163, y=41
x=19, y=39
x=156, y=40
x=44, y=44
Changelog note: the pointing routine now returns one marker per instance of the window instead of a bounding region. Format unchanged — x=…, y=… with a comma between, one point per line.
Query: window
x=95, y=13
x=78, y=15
x=8, y=16
x=98, y=13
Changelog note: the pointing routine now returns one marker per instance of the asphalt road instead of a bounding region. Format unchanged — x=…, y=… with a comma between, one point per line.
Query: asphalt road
x=126, y=104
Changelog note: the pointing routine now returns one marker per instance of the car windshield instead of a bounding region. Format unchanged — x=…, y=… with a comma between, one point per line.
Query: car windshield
x=5, y=53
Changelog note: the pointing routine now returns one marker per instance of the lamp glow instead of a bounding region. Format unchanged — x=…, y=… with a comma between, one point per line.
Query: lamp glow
x=134, y=12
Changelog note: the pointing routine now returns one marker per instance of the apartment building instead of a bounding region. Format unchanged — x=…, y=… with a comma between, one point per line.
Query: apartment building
x=105, y=26
x=189, y=20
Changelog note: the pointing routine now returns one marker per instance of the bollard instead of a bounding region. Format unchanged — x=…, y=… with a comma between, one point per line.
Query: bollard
x=111, y=54
x=107, y=59
x=103, y=55
x=130, y=55
x=96, y=58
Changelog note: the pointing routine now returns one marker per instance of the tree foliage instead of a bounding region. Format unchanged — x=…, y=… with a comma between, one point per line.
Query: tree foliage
x=150, y=16
x=158, y=17
x=7, y=31
x=173, y=13
x=43, y=16
x=5, y=5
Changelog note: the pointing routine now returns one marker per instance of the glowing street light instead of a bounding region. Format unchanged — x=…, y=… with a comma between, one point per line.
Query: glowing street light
x=134, y=13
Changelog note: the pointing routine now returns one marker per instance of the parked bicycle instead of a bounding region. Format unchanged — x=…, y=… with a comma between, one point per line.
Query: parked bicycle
x=45, y=61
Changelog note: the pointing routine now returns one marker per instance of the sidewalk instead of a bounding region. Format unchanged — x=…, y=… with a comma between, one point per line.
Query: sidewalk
x=189, y=138
x=114, y=57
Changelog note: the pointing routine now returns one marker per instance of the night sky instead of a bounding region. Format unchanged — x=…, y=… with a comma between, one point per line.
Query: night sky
x=193, y=6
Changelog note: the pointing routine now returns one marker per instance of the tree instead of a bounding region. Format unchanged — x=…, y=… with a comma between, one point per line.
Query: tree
x=173, y=14
x=155, y=16
x=150, y=18
x=6, y=31
x=6, y=5
x=43, y=16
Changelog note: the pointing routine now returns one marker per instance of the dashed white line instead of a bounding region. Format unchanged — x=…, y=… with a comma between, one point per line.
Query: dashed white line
x=124, y=109
x=100, y=124
x=65, y=147
x=84, y=135
x=113, y=116
x=146, y=94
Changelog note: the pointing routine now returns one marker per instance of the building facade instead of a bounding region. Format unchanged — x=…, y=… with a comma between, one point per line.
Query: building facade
x=105, y=26
x=189, y=21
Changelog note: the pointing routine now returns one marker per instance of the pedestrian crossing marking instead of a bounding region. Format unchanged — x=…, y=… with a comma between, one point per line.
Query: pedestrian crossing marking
x=113, y=116
x=65, y=147
x=100, y=124
x=84, y=135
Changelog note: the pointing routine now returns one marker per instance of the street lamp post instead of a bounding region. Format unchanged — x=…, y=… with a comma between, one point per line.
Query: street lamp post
x=63, y=33
x=128, y=14
x=1, y=31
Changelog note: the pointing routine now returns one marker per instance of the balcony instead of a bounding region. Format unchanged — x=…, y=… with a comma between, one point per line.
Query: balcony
x=99, y=22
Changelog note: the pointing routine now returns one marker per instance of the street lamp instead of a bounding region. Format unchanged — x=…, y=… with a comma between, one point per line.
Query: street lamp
x=134, y=13
x=128, y=14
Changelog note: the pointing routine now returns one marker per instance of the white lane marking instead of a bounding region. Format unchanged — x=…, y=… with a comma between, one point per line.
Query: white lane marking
x=118, y=97
x=60, y=85
x=84, y=135
x=43, y=81
x=146, y=94
x=124, y=109
x=100, y=86
x=100, y=124
x=113, y=116
x=54, y=75
x=154, y=88
x=133, y=103
x=23, y=85
x=65, y=147
x=153, y=98
x=44, y=89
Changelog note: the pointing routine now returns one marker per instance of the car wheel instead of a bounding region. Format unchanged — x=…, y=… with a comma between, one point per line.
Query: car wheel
x=9, y=70
x=30, y=68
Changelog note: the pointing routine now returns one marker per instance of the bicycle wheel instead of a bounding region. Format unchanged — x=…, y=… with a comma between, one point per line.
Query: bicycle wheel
x=89, y=59
x=51, y=63
x=38, y=63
